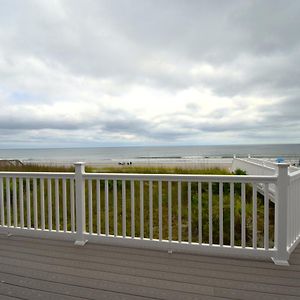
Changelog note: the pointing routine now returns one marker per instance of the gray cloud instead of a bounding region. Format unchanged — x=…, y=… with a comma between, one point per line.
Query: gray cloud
x=87, y=53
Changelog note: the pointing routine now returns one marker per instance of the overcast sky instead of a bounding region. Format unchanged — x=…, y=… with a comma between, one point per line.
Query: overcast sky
x=149, y=72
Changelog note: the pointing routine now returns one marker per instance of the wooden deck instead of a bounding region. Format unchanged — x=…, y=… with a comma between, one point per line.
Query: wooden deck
x=47, y=269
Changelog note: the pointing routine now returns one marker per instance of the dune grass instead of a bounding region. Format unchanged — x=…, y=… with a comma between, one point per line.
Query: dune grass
x=33, y=167
x=159, y=170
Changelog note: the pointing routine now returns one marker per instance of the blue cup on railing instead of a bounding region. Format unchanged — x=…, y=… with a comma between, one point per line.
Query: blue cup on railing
x=279, y=160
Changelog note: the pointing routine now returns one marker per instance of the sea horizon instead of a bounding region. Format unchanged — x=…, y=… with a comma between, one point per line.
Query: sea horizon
x=139, y=153
x=148, y=146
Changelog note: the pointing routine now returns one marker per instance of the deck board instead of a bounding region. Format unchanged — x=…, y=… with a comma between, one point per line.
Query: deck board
x=50, y=269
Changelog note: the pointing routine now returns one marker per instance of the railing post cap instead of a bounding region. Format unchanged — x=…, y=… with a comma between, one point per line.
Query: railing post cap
x=283, y=165
x=79, y=163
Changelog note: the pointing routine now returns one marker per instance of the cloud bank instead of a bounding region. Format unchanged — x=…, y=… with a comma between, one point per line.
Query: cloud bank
x=128, y=72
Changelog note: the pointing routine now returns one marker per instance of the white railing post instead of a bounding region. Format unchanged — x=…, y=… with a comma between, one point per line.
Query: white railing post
x=80, y=204
x=281, y=219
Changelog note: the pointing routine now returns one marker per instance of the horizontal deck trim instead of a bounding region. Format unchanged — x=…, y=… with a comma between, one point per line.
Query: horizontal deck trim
x=38, y=233
x=186, y=247
x=182, y=177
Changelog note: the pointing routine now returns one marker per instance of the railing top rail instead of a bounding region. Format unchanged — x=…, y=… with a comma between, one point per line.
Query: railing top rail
x=293, y=169
x=256, y=164
x=262, y=161
x=294, y=175
x=182, y=177
x=37, y=174
x=267, y=163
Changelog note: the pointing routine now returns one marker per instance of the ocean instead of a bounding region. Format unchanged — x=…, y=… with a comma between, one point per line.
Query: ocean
x=140, y=154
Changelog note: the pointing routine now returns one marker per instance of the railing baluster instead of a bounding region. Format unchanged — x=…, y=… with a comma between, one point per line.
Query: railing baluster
x=123, y=208
x=179, y=212
x=151, y=210
x=293, y=186
x=49, y=192
x=2, y=202
x=141, y=209
x=42, y=194
x=90, y=191
x=293, y=214
x=8, y=201
x=28, y=206
x=232, y=214
x=200, y=212
x=106, y=209
x=221, y=213
x=35, y=212
x=160, y=210
x=80, y=204
x=282, y=217
x=132, y=209
x=189, y=214
x=170, y=210
x=15, y=202
x=243, y=229
x=210, y=213
x=57, y=225
x=98, y=207
x=294, y=190
x=297, y=209
x=115, y=208
x=266, y=216
x=72, y=205
x=291, y=219
x=254, y=215
x=65, y=213
x=21, y=202
x=289, y=215
x=15, y=213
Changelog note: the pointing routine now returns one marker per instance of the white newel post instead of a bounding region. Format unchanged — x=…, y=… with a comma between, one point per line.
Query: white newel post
x=80, y=203
x=281, y=220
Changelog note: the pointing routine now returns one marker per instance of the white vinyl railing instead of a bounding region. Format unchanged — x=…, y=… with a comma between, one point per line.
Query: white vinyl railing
x=224, y=215
x=41, y=202
x=187, y=188
x=293, y=235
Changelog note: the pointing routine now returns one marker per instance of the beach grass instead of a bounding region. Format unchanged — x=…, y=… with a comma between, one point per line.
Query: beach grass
x=33, y=167
x=160, y=170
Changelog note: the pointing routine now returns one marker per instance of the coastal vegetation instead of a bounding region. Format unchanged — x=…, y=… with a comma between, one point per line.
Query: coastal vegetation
x=36, y=168
x=146, y=208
